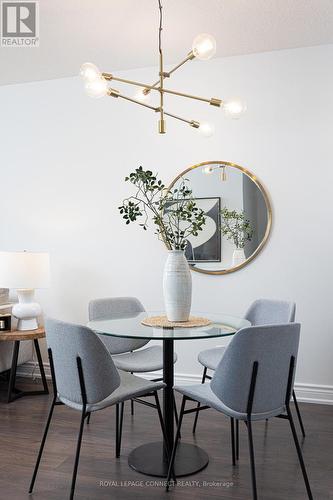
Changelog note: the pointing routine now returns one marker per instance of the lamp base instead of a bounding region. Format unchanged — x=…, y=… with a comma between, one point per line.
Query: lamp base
x=26, y=311
x=27, y=324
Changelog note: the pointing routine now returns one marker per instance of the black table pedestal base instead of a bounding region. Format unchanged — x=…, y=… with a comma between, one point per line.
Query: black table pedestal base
x=149, y=459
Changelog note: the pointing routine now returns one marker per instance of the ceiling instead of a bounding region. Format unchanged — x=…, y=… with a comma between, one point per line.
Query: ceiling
x=123, y=34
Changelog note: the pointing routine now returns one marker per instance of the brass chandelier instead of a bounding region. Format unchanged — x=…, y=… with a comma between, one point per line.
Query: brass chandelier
x=203, y=48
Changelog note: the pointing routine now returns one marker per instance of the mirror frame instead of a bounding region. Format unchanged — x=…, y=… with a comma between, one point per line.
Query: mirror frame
x=263, y=191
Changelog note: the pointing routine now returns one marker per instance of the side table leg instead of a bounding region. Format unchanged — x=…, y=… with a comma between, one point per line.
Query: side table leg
x=41, y=366
x=12, y=377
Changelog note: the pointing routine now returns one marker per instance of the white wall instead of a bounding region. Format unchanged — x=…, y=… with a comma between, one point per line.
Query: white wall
x=63, y=161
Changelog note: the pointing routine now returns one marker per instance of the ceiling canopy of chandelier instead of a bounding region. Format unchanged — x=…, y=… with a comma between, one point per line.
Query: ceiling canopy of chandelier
x=203, y=48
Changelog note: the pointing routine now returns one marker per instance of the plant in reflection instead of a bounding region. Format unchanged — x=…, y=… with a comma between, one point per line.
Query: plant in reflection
x=174, y=212
x=236, y=227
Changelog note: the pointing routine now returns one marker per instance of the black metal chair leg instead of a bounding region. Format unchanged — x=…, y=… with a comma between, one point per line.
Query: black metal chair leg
x=299, y=414
x=173, y=454
x=42, y=444
x=13, y=369
x=232, y=428
x=253, y=469
x=165, y=437
x=198, y=405
x=176, y=412
x=195, y=420
x=77, y=454
x=175, y=409
x=299, y=453
x=132, y=402
x=88, y=418
x=159, y=412
x=119, y=428
x=237, y=439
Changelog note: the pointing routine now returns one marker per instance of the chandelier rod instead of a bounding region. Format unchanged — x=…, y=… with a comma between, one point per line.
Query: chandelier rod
x=193, y=123
x=213, y=101
x=160, y=26
x=116, y=93
x=167, y=74
x=161, y=124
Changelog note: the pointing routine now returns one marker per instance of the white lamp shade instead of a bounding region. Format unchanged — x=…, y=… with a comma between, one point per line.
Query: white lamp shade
x=24, y=270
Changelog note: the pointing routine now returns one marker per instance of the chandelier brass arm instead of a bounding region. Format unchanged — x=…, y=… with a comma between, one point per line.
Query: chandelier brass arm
x=116, y=93
x=192, y=123
x=167, y=74
x=213, y=101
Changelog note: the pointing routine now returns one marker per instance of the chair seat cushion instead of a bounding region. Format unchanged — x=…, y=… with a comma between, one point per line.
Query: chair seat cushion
x=144, y=360
x=204, y=395
x=130, y=386
x=210, y=358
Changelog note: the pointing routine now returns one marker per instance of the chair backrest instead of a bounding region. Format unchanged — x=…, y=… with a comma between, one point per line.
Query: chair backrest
x=113, y=308
x=67, y=342
x=272, y=347
x=271, y=312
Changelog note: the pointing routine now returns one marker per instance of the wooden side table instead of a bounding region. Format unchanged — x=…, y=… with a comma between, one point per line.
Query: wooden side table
x=17, y=336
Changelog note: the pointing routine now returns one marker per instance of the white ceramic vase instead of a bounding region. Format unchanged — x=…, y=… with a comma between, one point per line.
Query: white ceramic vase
x=177, y=286
x=238, y=257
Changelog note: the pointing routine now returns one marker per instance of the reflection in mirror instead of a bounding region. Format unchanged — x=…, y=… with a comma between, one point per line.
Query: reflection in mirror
x=238, y=216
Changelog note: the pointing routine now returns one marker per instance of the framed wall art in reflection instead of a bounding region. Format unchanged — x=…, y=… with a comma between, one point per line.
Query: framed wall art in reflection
x=206, y=247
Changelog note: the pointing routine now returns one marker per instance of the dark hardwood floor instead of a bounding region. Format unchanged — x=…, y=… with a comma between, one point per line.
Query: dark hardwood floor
x=101, y=476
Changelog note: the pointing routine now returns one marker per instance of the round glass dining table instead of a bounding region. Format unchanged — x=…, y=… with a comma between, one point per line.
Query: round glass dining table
x=151, y=458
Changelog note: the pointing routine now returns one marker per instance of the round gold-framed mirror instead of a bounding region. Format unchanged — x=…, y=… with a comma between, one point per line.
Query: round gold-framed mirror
x=238, y=216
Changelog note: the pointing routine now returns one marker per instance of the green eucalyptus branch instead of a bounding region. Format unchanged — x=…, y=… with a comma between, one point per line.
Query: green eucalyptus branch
x=173, y=212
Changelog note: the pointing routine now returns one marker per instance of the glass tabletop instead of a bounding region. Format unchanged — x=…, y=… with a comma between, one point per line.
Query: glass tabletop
x=130, y=326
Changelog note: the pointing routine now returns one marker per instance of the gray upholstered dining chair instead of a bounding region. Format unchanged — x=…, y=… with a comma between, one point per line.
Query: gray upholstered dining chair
x=261, y=312
x=86, y=379
x=127, y=353
x=253, y=381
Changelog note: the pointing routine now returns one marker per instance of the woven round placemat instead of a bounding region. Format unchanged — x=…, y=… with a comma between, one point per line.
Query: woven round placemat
x=163, y=322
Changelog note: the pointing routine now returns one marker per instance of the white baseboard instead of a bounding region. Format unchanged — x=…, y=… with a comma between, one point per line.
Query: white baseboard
x=307, y=393
x=313, y=393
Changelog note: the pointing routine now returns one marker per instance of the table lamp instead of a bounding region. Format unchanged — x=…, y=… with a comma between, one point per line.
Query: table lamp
x=25, y=271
